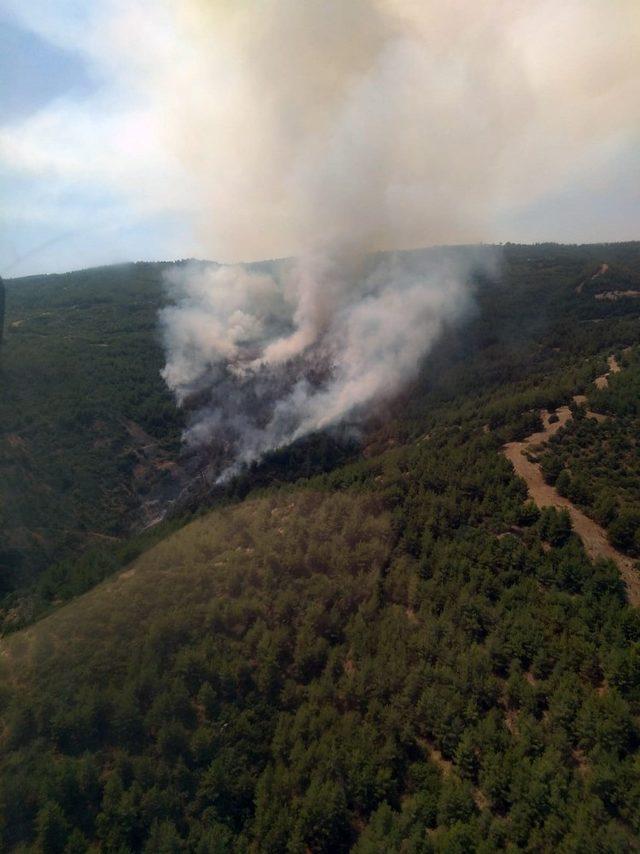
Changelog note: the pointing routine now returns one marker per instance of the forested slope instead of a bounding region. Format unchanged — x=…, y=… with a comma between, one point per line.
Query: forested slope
x=400, y=651
x=403, y=654
x=89, y=436
x=86, y=424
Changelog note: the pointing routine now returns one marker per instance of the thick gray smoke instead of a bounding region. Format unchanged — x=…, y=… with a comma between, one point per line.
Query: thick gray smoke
x=331, y=129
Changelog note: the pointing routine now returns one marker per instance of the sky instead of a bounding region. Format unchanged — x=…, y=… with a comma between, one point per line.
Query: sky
x=160, y=130
x=62, y=117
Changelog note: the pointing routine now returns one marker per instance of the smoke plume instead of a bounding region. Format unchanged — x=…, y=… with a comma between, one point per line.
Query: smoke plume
x=271, y=357
x=332, y=129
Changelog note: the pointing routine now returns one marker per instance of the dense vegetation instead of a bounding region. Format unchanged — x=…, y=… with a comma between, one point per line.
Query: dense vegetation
x=89, y=435
x=86, y=423
x=399, y=655
x=365, y=659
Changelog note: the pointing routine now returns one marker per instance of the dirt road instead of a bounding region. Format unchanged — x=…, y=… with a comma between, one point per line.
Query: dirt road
x=614, y=368
x=592, y=535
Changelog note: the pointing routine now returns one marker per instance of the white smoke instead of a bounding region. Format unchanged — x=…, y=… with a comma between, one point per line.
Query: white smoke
x=260, y=127
x=272, y=358
x=327, y=130
x=336, y=128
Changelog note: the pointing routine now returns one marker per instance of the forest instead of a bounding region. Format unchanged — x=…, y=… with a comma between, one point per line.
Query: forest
x=85, y=416
x=371, y=646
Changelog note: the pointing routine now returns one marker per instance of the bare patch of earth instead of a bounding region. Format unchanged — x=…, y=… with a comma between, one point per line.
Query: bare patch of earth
x=614, y=296
x=614, y=368
x=602, y=269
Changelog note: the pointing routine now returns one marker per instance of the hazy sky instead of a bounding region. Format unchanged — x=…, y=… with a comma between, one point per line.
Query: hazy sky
x=137, y=130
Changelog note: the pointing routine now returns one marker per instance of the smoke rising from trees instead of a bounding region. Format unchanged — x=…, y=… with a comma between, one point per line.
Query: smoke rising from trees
x=273, y=357
x=330, y=130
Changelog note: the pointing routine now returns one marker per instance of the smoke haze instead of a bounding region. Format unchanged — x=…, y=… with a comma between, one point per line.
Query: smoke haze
x=273, y=357
x=335, y=128
x=254, y=129
x=386, y=123
x=325, y=130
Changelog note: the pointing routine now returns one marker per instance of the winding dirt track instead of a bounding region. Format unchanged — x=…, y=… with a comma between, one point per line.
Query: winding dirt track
x=592, y=535
x=614, y=368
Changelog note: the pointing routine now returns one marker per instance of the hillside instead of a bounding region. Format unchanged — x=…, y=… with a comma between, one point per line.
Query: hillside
x=402, y=654
x=228, y=688
x=90, y=452
x=88, y=429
